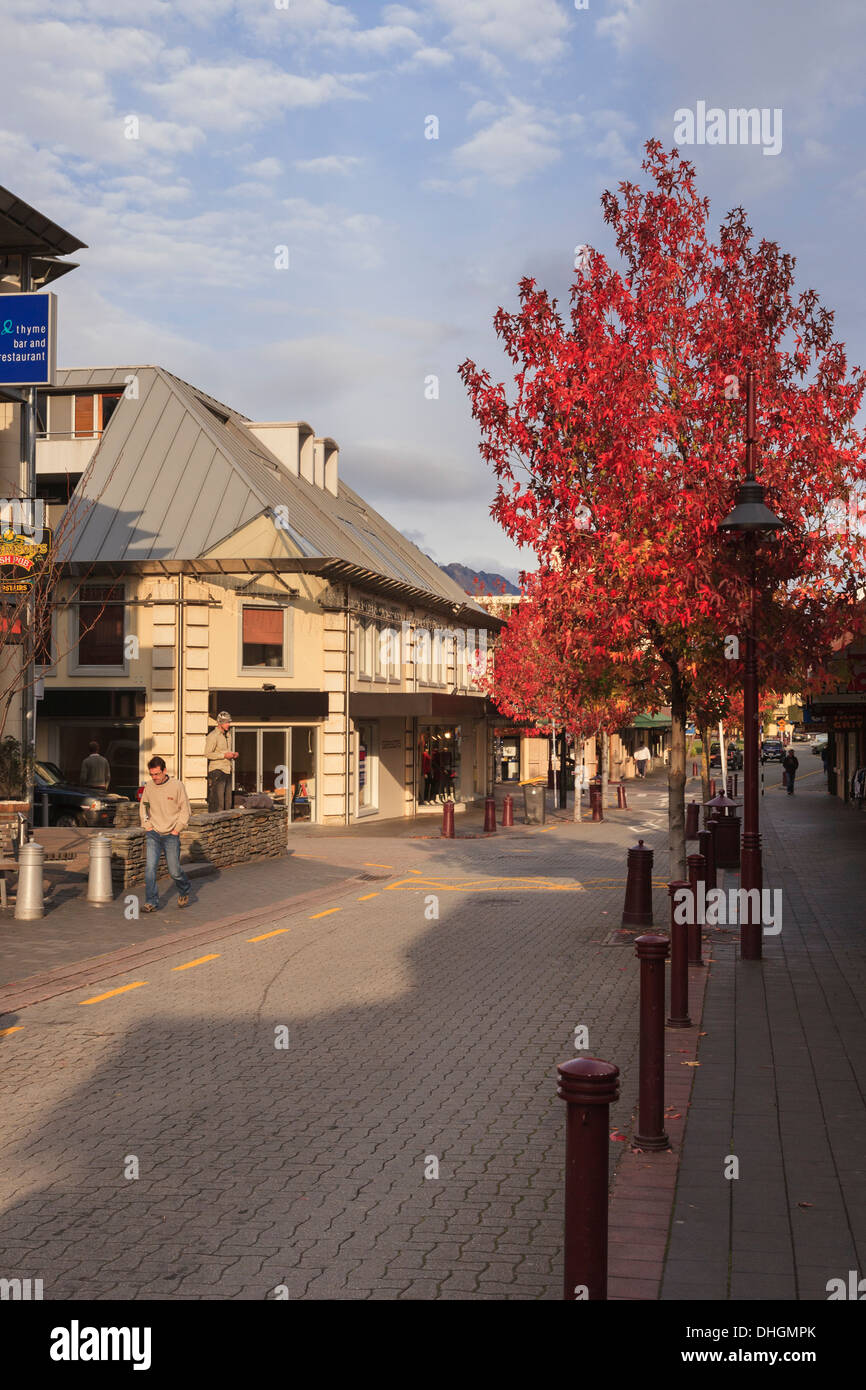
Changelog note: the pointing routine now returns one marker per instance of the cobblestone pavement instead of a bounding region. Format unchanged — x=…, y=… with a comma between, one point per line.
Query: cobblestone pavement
x=781, y=1082
x=412, y=1041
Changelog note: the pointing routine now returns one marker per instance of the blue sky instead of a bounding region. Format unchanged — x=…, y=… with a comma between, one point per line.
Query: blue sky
x=260, y=127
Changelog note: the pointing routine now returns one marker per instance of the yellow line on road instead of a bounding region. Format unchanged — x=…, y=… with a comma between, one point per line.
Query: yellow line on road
x=268, y=934
x=97, y=998
x=4, y=1032
x=198, y=961
x=326, y=913
x=367, y=896
x=368, y=864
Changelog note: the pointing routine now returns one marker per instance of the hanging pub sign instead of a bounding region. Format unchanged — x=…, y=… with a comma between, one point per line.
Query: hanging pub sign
x=28, y=339
x=21, y=560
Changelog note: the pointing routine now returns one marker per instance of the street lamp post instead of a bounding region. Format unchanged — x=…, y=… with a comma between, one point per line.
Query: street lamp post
x=751, y=517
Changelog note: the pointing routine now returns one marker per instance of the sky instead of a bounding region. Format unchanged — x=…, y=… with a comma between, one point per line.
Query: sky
x=268, y=215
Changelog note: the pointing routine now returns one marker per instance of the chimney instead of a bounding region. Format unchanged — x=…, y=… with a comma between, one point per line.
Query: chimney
x=300, y=452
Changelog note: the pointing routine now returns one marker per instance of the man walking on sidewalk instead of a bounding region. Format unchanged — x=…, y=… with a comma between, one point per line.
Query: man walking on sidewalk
x=790, y=763
x=218, y=752
x=164, y=813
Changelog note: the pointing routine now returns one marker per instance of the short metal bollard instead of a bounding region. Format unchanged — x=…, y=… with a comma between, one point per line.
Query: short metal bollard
x=652, y=953
x=621, y=799
x=489, y=814
x=508, y=812
x=638, y=908
x=448, y=821
x=588, y=1086
x=28, y=900
x=707, y=847
x=679, y=1014
x=697, y=869
x=693, y=821
x=595, y=804
x=99, y=876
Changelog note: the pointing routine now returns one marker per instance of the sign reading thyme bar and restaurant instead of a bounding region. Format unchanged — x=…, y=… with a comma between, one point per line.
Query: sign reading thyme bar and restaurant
x=21, y=559
x=28, y=339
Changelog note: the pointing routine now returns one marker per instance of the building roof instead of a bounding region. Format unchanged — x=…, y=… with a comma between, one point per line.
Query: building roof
x=177, y=472
x=23, y=229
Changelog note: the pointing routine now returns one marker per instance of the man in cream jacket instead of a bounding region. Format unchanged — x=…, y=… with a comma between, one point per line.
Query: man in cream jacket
x=164, y=813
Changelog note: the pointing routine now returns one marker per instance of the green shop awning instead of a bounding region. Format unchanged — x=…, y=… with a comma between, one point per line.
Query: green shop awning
x=650, y=721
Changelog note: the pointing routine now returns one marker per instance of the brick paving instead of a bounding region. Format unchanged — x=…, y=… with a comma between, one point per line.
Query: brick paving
x=301, y=1170
x=781, y=1081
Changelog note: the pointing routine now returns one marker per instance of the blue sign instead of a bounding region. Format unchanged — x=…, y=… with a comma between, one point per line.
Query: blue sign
x=27, y=339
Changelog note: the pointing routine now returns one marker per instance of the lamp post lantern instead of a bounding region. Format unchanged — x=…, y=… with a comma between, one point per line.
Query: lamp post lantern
x=751, y=518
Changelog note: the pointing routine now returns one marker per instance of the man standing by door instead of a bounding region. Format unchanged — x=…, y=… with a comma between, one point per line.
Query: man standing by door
x=95, y=771
x=219, y=753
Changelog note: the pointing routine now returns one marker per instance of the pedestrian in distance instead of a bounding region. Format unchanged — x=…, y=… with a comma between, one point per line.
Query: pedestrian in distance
x=164, y=813
x=790, y=763
x=95, y=770
x=219, y=755
x=642, y=759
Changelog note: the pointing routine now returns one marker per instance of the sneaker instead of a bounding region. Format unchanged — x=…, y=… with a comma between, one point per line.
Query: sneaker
x=183, y=900
x=151, y=907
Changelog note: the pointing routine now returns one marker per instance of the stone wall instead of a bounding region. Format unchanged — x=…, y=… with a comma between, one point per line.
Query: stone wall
x=221, y=839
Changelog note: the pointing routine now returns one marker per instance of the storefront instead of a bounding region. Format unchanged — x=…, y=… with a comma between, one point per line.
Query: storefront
x=439, y=763
x=67, y=721
x=279, y=761
x=506, y=755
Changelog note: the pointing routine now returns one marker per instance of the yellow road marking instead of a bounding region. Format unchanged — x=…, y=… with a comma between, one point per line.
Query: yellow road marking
x=326, y=913
x=198, y=961
x=278, y=932
x=367, y=896
x=5, y=1031
x=368, y=864
x=97, y=998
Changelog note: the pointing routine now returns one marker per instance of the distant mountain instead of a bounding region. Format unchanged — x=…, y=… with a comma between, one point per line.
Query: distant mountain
x=479, y=581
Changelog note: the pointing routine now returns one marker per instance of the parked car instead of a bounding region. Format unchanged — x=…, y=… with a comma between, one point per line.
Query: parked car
x=733, y=756
x=772, y=750
x=69, y=804
x=819, y=745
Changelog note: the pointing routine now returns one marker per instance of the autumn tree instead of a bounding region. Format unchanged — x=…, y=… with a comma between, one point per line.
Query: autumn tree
x=619, y=449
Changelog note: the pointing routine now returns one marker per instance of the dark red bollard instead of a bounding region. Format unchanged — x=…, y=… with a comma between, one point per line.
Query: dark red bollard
x=697, y=871
x=621, y=801
x=508, y=812
x=489, y=814
x=712, y=787
x=726, y=845
x=595, y=802
x=694, y=769
x=707, y=847
x=448, y=821
x=638, y=908
x=652, y=953
x=589, y=1087
x=679, y=1014
x=693, y=812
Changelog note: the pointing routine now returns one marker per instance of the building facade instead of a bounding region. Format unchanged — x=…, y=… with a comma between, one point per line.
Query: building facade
x=210, y=562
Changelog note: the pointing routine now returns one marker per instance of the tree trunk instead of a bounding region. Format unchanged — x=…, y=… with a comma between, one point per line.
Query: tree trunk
x=677, y=778
x=605, y=766
x=705, y=766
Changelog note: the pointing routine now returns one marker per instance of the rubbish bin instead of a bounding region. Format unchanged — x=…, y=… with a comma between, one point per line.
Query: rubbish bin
x=534, y=795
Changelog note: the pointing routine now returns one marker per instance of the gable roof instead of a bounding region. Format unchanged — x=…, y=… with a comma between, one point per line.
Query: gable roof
x=177, y=472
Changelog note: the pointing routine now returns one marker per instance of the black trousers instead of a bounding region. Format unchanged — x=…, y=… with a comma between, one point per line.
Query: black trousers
x=219, y=790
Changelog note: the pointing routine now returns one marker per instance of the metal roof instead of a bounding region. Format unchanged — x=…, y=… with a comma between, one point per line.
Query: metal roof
x=176, y=473
x=23, y=229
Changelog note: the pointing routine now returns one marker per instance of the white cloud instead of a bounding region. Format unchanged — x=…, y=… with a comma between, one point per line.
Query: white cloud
x=226, y=96
x=515, y=146
x=535, y=32
x=269, y=168
x=329, y=164
x=427, y=58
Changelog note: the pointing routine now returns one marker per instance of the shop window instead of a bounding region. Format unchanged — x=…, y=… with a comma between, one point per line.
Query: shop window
x=367, y=649
x=368, y=768
x=100, y=616
x=263, y=637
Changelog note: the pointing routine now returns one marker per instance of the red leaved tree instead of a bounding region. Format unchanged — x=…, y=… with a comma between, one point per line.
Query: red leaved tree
x=620, y=447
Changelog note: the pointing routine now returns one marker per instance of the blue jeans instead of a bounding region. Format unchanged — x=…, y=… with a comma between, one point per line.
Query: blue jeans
x=155, y=844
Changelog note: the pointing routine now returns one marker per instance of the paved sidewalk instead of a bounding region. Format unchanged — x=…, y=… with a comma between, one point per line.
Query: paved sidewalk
x=411, y=1038
x=781, y=1080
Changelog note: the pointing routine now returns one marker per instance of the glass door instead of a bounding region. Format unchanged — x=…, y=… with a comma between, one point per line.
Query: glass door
x=303, y=764
x=246, y=764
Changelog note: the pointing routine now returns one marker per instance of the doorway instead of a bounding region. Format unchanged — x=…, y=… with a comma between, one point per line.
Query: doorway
x=280, y=762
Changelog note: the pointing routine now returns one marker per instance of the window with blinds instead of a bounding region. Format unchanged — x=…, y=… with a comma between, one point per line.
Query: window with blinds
x=263, y=637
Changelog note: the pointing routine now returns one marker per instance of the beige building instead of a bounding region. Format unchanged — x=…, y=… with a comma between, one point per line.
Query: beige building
x=213, y=562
